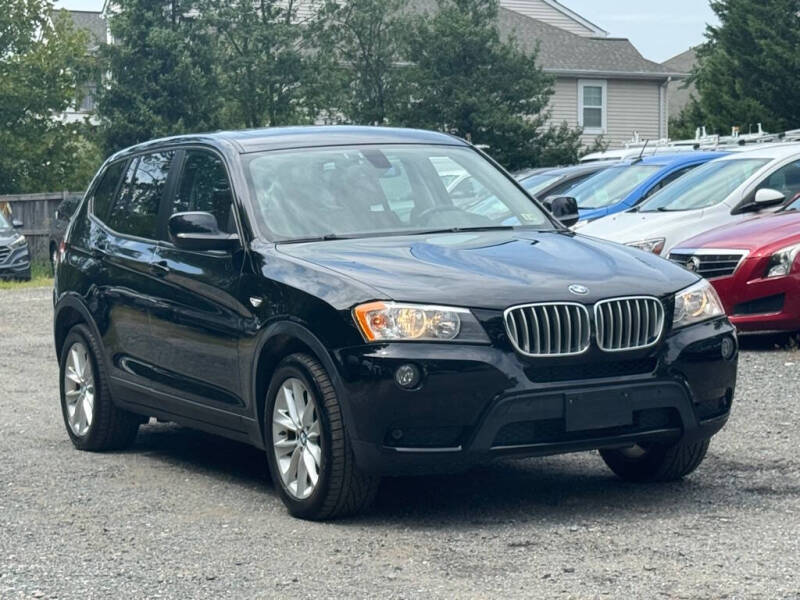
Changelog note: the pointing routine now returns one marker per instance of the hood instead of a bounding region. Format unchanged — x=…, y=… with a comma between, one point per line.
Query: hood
x=7, y=235
x=494, y=270
x=755, y=234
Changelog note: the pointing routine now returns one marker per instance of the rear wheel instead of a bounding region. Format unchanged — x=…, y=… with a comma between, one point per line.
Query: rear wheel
x=308, y=448
x=93, y=422
x=656, y=462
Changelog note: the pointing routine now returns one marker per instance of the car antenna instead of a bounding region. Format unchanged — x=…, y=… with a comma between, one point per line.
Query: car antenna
x=641, y=154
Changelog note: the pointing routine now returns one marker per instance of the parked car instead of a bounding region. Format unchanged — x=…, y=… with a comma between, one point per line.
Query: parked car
x=727, y=190
x=58, y=227
x=627, y=184
x=754, y=266
x=558, y=181
x=259, y=285
x=15, y=256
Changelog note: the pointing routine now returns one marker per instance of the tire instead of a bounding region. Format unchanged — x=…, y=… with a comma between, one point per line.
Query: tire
x=341, y=488
x=658, y=462
x=108, y=427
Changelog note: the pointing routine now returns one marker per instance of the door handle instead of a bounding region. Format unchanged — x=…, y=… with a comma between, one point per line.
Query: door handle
x=159, y=268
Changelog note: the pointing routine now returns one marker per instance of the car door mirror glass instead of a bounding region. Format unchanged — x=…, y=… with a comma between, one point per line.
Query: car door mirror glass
x=563, y=208
x=199, y=231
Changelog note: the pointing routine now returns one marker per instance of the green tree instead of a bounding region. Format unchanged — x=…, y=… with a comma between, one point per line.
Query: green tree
x=465, y=79
x=266, y=61
x=161, y=73
x=748, y=67
x=364, y=36
x=43, y=62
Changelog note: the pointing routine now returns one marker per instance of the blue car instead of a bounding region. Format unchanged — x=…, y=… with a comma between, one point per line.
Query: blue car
x=626, y=184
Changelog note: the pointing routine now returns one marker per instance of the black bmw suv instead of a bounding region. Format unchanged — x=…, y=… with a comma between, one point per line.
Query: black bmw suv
x=318, y=293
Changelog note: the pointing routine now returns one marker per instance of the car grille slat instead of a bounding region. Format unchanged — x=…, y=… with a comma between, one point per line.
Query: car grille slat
x=708, y=265
x=629, y=323
x=564, y=329
x=5, y=251
x=549, y=329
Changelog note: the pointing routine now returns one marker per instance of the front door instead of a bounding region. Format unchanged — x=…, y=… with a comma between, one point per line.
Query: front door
x=199, y=318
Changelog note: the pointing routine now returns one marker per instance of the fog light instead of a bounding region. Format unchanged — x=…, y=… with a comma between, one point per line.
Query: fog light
x=407, y=376
x=728, y=348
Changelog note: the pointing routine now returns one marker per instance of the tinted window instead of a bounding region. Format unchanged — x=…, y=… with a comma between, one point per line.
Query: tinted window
x=136, y=210
x=104, y=192
x=669, y=179
x=204, y=186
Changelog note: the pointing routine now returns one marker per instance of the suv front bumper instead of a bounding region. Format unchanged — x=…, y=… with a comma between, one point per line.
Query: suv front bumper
x=15, y=263
x=476, y=403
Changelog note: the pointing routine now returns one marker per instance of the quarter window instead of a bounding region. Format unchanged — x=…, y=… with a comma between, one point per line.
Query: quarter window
x=136, y=210
x=104, y=192
x=592, y=105
x=205, y=187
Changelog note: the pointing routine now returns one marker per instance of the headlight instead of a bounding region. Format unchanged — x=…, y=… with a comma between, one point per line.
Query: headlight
x=18, y=242
x=391, y=321
x=781, y=262
x=697, y=303
x=655, y=245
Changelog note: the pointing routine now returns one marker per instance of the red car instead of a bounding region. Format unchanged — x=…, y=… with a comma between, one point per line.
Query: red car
x=755, y=268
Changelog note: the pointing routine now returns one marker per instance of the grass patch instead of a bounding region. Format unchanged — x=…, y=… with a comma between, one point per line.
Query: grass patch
x=41, y=276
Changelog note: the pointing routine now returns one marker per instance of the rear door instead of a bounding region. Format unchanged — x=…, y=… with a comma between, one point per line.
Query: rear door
x=124, y=247
x=200, y=317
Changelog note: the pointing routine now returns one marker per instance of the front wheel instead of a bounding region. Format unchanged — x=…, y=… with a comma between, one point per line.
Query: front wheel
x=308, y=448
x=656, y=462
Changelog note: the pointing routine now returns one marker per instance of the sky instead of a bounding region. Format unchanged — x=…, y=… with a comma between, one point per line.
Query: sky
x=658, y=29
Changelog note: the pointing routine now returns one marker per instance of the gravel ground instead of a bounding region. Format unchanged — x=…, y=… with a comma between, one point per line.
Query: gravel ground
x=187, y=515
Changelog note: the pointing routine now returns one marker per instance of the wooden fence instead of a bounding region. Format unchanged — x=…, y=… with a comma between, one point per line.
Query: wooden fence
x=37, y=212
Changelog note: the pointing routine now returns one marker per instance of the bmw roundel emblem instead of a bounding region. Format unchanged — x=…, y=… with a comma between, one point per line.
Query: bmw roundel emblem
x=578, y=290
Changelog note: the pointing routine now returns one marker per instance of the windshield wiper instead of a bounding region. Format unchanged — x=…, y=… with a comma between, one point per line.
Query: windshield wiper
x=318, y=238
x=465, y=229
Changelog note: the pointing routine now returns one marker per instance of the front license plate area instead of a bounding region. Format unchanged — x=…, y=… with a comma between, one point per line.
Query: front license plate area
x=597, y=410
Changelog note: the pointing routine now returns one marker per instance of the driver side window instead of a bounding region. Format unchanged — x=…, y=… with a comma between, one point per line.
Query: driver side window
x=785, y=180
x=204, y=186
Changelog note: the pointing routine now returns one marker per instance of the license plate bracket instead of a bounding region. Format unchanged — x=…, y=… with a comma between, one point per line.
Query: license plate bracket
x=597, y=410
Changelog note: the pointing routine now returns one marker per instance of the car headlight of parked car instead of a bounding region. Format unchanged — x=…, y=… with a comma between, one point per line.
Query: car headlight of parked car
x=656, y=245
x=18, y=241
x=392, y=321
x=695, y=304
x=780, y=263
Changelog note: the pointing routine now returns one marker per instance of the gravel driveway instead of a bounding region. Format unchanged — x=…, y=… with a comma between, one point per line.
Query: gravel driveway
x=187, y=515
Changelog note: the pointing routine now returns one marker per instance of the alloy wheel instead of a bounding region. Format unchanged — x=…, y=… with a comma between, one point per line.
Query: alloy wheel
x=296, y=438
x=79, y=389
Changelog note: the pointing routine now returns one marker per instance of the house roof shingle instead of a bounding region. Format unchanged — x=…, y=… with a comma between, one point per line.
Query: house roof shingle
x=91, y=21
x=563, y=52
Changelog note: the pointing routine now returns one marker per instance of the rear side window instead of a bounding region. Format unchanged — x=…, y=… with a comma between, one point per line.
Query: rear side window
x=136, y=210
x=104, y=192
x=204, y=186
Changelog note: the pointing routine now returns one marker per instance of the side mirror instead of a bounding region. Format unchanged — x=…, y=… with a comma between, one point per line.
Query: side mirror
x=768, y=197
x=199, y=231
x=16, y=223
x=563, y=208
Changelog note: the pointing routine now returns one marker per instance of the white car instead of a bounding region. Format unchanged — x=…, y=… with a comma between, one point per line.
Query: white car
x=717, y=193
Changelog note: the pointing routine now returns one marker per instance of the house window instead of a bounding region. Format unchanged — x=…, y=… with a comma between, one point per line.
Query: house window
x=592, y=94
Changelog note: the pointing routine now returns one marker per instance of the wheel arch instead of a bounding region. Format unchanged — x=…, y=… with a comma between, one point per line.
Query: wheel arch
x=275, y=343
x=70, y=311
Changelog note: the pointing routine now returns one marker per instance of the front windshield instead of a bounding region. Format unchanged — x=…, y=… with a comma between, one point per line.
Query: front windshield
x=367, y=191
x=536, y=183
x=611, y=186
x=3, y=223
x=794, y=205
x=705, y=186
